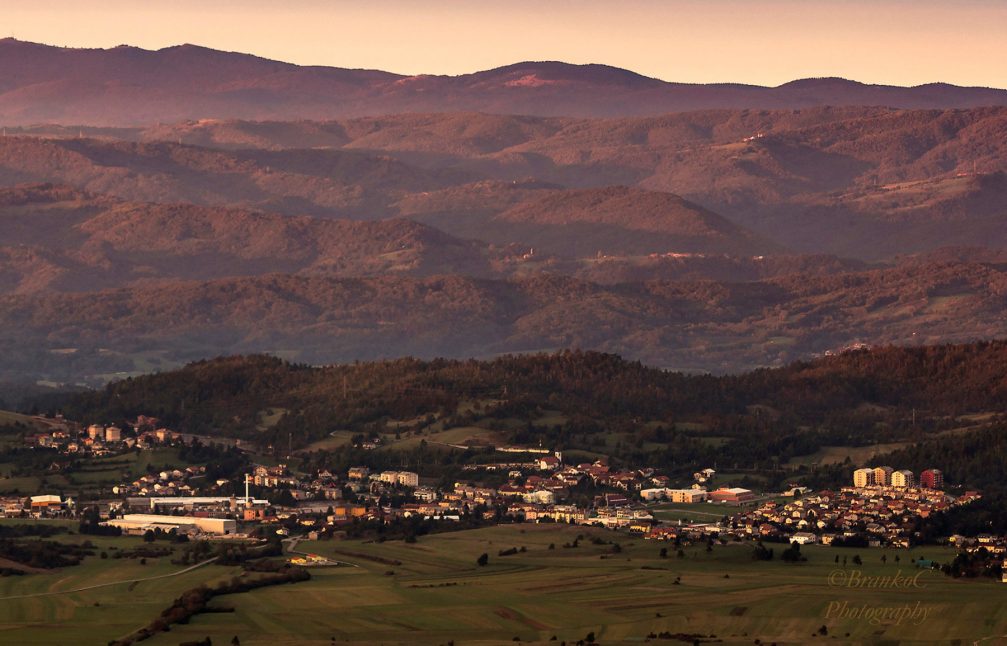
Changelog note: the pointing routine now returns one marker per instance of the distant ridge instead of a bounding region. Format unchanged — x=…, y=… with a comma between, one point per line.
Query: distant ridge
x=128, y=85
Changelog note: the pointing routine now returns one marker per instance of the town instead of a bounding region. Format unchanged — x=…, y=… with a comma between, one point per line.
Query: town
x=883, y=508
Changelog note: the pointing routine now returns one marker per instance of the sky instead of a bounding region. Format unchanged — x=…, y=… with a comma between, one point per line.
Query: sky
x=901, y=42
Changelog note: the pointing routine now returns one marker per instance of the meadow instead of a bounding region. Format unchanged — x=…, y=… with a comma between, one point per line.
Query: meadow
x=46, y=608
x=433, y=592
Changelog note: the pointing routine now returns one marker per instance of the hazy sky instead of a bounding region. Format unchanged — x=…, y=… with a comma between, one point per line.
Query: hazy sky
x=904, y=42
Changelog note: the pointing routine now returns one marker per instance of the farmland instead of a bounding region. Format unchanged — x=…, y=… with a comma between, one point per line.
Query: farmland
x=433, y=592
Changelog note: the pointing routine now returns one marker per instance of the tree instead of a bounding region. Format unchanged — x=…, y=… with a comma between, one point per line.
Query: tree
x=793, y=554
x=483, y=560
x=235, y=641
x=857, y=560
x=664, y=552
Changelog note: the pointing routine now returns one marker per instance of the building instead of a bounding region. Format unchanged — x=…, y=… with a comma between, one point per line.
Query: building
x=547, y=463
x=902, y=479
x=660, y=493
x=735, y=495
x=803, y=538
x=408, y=479
x=883, y=476
x=194, y=502
x=95, y=431
x=113, y=434
x=46, y=502
x=358, y=473
x=863, y=477
x=540, y=497
x=932, y=479
x=141, y=523
x=687, y=495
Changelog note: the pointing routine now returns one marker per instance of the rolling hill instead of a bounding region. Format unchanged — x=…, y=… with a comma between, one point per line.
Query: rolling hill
x=315, y=182
x=864, y=182
x=55, y=238
x=685, y=325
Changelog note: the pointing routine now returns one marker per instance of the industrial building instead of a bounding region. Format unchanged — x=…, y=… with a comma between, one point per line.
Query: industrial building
x=141, y=523
x=731, y=495
x=674, y=495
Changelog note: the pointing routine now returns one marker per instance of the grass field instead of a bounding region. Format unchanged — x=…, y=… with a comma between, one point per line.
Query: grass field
x=95, y=473
x=7, y=417
x=98, y=615
x=838, y=454
x=437, y=593
x=269, y=417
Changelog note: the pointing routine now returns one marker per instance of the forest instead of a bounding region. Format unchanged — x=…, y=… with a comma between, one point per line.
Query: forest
x=585, y=402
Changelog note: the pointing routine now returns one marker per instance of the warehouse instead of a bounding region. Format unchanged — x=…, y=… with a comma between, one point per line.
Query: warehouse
x=141, y=523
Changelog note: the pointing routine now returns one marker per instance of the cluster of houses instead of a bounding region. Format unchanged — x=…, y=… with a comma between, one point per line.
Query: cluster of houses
x=41, y=506
x=882, y=508
x=878, y=515
x=98, y=440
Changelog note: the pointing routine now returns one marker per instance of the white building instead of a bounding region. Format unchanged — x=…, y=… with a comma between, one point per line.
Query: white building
x=408, y=479
x=404, y=478
x=141, y=523
x=660, y=493
x=541, y=497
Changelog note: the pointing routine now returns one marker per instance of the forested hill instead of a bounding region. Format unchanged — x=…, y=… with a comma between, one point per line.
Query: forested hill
x=861, y=396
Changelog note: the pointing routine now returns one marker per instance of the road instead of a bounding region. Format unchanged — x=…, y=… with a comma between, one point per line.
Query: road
x=105, y=585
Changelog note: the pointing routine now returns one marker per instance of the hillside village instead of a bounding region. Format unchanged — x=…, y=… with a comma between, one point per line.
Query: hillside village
x=884, y=508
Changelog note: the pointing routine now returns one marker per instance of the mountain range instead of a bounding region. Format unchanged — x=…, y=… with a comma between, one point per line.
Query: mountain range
x=867, y=183
x=157, y=207
x=129, y=86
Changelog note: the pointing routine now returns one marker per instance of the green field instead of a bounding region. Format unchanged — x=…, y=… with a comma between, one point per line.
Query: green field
x=94, y=474
x=95, y=616
x=438, y=594
x=838, y=454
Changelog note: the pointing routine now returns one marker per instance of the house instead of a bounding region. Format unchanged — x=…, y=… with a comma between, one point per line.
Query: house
x=615, y=500
x=358, y=473
x=547, y=463
x=803, y=538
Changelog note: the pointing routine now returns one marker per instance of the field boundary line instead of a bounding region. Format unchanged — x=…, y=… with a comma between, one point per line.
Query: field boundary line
x=104, y=585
